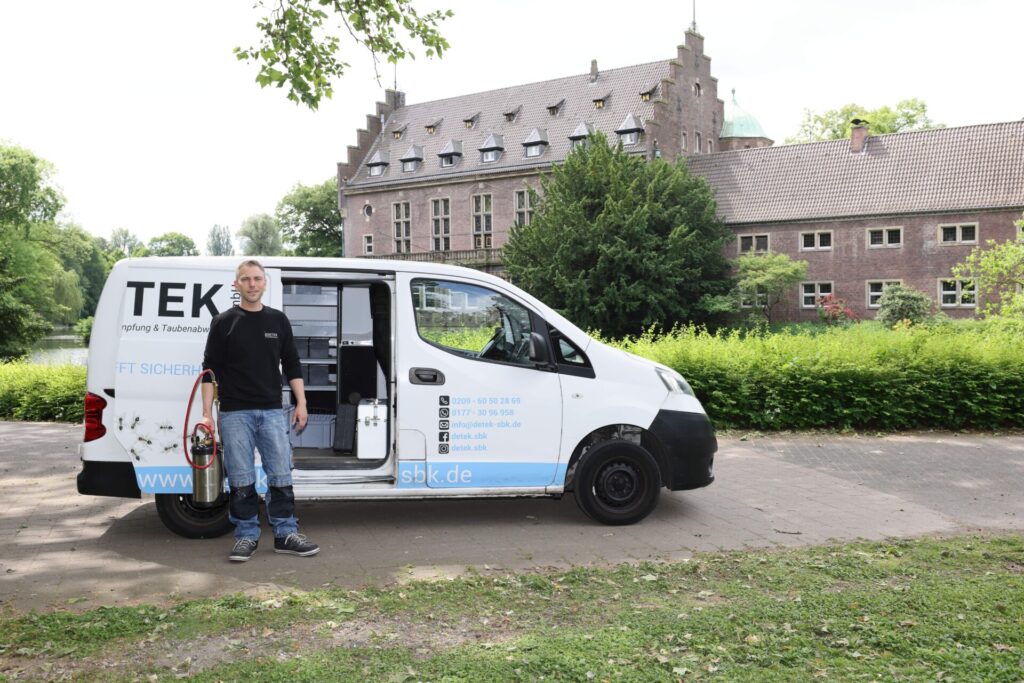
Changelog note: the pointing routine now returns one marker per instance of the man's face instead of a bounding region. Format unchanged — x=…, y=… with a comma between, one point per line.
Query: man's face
x=250, y=284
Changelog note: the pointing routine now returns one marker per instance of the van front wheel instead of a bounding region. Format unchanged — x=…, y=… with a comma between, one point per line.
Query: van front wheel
x=617, y=483
x=185, y=518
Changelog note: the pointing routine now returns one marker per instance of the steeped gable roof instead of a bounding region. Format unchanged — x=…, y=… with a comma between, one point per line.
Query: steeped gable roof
x=945, y=169
x=532, y=100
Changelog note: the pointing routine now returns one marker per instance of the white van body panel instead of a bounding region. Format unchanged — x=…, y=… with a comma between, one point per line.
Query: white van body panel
x=518, y=425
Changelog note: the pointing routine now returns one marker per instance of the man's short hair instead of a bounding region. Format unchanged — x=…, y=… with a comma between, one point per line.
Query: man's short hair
x=248, y=263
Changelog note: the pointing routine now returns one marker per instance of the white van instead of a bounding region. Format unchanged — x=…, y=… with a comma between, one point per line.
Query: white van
x=422, y=381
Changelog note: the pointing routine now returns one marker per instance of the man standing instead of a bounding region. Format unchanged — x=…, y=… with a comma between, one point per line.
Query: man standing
x=246, y=348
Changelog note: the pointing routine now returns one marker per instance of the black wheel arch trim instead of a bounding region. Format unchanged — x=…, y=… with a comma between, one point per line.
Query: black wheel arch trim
x=687, y=446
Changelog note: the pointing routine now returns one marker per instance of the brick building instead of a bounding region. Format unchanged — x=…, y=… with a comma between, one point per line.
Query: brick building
x=873, y=210
x=445, y=180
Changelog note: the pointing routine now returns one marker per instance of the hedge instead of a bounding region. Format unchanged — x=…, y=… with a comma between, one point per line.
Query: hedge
x=864, y=376
x=42, y=392
x=967, y=375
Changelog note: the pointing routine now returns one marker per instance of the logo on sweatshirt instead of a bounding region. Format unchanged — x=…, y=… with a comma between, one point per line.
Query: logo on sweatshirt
x=270, y=335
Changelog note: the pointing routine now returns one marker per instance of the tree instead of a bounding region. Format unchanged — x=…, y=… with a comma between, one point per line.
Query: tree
x=835, y=124
x=310, y=220
x=172, y=244
x=85, y=255
x=762, y=279
x=260, y=236
x=218, y=242
x=620, y=244
x=300, y=41
x=27, y=195
x=899, y=303
x=123, y=243
x=997, y=271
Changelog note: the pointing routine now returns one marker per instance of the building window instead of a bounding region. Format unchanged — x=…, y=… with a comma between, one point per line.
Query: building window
x=401, y=214
x=956, y=293
x=630, y=138
x=599, y=104
x=711, y=146
x=482, y=221
x=685, y=144
x=810, y=292
x=582, y=142
x=367, y=244
x=524, y=208
x=753, y=243
x=696, y=143
x=441, y=222
x=447, y=161
x=754, y=299
x=697, y=90
x=534, y=150
x=959, y=234
x=377, y=171
x=490, y=155
x=410, y=166
x=881, y=238
x=816, y=241
x=876, y=288
x=367, y=210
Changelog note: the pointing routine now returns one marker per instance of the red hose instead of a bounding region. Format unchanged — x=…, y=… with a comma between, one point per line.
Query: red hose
x=199, y=425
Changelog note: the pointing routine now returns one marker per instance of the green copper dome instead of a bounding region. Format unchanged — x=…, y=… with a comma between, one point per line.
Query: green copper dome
x=738, y=123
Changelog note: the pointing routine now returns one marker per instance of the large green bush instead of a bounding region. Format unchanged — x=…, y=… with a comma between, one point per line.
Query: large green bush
x=950, y=376
x=42, y=392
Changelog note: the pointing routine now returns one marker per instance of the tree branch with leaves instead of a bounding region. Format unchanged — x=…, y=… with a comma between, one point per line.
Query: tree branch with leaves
x=300, y=42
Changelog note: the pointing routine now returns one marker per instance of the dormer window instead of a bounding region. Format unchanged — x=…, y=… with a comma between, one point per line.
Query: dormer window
x=555, y=109
x=536, y=142
x=511, y=116
x=431, y=130
x=412, y=159
x=629, y=131
x=398, y=132
x=470, y=122
x=602, y=102
x=578, y=138
x=451, y=153
x=645, y=97
x=377, y=164
x=492, y=148
x=433, y=126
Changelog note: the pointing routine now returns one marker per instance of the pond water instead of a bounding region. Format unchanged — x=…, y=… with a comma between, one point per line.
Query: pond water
x=60, y=349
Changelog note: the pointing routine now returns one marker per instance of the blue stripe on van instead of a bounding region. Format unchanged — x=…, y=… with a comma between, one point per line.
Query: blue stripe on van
x=411, y=474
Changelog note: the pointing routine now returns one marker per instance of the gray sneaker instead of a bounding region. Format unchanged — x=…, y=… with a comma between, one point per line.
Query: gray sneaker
x=244, y=549
x=295, y=544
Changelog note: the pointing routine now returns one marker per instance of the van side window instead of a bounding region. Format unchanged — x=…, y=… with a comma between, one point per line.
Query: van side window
x=569, y=357
x=472, y=321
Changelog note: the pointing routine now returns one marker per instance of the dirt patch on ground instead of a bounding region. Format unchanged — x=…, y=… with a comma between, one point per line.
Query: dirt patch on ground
x=185, y=657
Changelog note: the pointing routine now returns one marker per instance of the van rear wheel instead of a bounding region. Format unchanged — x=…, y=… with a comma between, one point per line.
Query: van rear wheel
x=617, y=483
x=185, y=518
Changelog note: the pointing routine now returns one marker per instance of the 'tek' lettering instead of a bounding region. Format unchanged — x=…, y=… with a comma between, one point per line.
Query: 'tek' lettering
x=171, y=296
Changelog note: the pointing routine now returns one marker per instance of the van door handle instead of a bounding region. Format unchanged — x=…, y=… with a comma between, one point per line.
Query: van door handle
x=426, y=376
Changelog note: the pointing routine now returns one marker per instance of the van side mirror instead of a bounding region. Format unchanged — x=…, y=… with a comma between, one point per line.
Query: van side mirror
x=539, y=350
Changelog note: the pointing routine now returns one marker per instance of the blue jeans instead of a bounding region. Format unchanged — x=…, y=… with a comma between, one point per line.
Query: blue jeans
x=241, y=432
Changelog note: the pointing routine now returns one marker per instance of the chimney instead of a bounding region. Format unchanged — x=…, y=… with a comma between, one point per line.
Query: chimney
x=593, y=70
x=858, y=136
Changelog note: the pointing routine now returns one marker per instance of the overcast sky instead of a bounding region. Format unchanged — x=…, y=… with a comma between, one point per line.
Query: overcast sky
x=153, y=125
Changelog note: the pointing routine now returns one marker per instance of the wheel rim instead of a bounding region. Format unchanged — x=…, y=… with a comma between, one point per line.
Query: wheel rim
x=619, y=484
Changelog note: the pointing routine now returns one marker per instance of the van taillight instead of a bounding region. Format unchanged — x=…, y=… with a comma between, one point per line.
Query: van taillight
x=94, y=406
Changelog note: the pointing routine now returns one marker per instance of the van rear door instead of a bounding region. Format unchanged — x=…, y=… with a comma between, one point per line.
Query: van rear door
x=488, y=416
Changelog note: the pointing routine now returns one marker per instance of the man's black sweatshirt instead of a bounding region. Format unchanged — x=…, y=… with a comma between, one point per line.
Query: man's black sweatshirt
x=247, y=350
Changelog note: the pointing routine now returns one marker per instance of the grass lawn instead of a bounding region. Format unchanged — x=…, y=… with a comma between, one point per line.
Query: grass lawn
x=924, y=609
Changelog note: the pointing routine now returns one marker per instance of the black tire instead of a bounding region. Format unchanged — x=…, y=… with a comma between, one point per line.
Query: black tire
x=181, y=516
x=617, y=483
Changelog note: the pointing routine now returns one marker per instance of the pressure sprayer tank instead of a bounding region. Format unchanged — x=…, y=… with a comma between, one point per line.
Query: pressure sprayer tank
x=207, y=476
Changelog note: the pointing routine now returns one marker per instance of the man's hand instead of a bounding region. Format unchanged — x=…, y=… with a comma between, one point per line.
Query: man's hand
x=299, y=417
x=208, y=421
